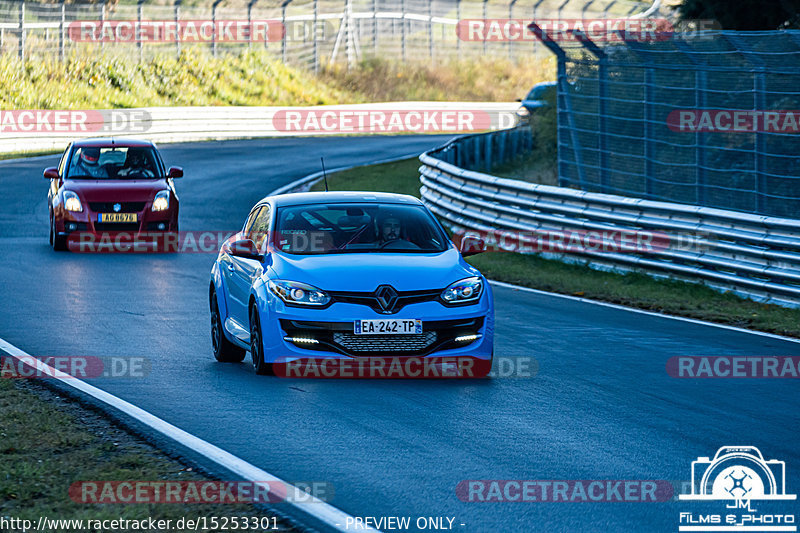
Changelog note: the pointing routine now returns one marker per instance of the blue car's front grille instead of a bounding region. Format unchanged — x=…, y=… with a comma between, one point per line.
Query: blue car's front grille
x=339, y=337
x=374, y=300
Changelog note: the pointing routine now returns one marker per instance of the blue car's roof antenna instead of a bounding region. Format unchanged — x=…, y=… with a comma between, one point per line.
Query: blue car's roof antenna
x=324, y=174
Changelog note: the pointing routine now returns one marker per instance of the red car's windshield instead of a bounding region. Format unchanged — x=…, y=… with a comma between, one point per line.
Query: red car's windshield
x=113, y=162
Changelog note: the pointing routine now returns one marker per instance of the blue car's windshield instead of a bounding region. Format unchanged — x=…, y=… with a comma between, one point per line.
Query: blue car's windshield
x=357, y=228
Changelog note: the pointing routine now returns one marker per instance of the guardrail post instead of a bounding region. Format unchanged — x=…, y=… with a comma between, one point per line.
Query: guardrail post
x=22, y=30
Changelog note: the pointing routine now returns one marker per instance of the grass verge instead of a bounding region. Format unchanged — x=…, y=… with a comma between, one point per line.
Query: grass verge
x=631, y=289
x=47, y=443
x=92, y=79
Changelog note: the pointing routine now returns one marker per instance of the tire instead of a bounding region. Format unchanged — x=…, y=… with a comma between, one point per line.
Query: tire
x=59, y=242
x=224, y=350
x=256, y=346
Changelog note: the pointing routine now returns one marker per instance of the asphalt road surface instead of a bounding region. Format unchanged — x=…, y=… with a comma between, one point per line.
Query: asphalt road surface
x=600, y=407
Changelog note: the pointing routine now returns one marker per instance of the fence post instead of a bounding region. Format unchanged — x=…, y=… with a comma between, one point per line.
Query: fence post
x=374, y=27
x=403, y=28
x=700, y=103
x=250, y=5
x=315, y=36
x=139, y=16
x=648, y=133
x=22, y=30
x=487, y=152
x=510, y=18
x=430, y=30
x=214, y=27
x=102, y=23
x=177, y=33
x=285, y=33
x=458, y=36
x=61, y=29
x=485, y=16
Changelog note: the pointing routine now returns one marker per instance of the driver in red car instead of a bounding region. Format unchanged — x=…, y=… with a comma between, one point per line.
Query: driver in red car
x=88, y=164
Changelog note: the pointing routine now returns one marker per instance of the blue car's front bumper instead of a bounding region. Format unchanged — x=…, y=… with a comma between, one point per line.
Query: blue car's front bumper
x=332, y=328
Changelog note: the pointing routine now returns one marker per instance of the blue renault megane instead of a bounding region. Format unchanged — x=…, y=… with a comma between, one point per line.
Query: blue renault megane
x=347, y=276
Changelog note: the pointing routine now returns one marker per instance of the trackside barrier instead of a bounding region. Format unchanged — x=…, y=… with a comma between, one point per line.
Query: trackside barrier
x=753, y=255
x=183, y=124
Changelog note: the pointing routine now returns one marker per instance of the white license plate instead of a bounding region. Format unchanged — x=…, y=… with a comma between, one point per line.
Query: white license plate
x=388, y=326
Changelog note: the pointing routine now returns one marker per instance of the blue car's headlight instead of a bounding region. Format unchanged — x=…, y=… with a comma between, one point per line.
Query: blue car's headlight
x=296, y=293
x=467, y=290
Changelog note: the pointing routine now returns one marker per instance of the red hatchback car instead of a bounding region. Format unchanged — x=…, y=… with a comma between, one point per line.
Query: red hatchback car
x=109, y=186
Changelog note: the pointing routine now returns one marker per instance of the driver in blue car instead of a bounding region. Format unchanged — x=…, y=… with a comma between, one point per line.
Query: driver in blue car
x=391, y=228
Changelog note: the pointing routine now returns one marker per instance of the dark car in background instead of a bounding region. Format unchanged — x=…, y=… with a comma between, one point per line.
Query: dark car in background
x=108, y=185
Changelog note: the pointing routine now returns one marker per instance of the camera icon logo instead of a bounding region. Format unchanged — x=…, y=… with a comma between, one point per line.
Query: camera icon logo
x=738, y=473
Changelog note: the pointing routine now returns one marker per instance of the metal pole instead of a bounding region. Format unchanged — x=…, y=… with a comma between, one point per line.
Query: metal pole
x=102, y=23
x=485, y=7
x=458, y=37
x=283, y=23
x=22, y=30
x=430, y=31
x=403, y=28
x=61, y=27
x=375, y=27
x=139, y=16
x=535, y=7
x=250, y=5
x=510, y=18
x=177, y=33
x=214, y=27
x=315, y=37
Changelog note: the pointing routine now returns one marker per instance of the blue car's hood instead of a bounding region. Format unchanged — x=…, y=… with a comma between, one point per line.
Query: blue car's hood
x=363, y=272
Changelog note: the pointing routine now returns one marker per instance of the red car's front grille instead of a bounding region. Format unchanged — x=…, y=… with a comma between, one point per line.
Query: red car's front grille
x=108, y=207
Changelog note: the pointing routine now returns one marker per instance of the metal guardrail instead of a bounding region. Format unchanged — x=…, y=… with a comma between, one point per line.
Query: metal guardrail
x=183, y=124
x=753, y=255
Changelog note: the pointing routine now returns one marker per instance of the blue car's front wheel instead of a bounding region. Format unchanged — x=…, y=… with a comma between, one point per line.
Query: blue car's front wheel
x=256, y=346
x=224, y=350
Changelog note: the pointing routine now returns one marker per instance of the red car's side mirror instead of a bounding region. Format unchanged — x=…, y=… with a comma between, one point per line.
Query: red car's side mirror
x=472, y=246
x=51, y=173
x=245, y=248
x=175, y=172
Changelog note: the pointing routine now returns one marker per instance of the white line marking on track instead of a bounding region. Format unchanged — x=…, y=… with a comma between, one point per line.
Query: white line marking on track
x=644, y=312
x=306, y=504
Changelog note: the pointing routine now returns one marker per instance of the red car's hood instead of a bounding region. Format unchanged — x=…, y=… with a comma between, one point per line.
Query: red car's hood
x=106, y=190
